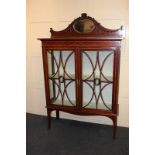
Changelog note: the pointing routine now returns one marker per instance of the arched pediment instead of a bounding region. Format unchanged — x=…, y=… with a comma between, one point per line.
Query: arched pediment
x=86, y=27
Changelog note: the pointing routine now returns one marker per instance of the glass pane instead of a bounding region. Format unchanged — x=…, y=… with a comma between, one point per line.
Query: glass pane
x=61, y=69
x=97, y=77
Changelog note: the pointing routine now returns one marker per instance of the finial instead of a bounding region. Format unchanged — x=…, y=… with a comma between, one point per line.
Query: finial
x=84, y=15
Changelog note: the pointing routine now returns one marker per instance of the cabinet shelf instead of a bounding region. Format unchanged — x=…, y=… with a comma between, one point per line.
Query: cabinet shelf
x=56, y=77
x=109, y=79
x=92, y=105
x=84, y=78
x=66, y=102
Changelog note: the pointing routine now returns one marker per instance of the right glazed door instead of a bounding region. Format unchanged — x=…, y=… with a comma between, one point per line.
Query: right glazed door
x=97, y=79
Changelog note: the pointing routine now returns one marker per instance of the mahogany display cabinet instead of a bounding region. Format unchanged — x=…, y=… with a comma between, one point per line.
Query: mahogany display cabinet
x=81, y=69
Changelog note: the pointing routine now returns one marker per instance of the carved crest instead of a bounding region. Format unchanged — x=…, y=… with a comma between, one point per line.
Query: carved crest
x=87, y=27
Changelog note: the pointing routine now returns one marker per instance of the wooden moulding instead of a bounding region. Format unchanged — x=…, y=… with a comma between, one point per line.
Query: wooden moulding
x=99, y=32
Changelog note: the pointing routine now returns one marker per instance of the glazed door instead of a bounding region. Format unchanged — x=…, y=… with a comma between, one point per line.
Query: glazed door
x=61, y=73
x=97, y=79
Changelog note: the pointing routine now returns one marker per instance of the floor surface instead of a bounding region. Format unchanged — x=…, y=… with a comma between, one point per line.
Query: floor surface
x=68, y=137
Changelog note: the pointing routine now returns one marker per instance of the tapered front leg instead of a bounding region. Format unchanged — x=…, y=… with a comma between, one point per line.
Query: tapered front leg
x=114, y=127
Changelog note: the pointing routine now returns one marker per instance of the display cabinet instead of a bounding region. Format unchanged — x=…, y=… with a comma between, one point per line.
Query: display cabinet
x=81, y=69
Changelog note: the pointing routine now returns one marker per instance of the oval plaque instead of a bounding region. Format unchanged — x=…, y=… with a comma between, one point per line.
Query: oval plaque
x=84, y=26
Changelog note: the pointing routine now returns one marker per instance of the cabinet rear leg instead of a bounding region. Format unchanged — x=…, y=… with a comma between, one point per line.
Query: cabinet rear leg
x=114, y=127
x=57, y=114
x=49, y=118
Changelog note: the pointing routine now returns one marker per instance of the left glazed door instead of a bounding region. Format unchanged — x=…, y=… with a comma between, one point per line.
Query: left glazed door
x=61, y=77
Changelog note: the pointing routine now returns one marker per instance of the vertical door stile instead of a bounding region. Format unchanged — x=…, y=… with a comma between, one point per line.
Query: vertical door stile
x=76, y=76
x=53, y=72
x=117, y=79
x=115, y=72
x=80, y=80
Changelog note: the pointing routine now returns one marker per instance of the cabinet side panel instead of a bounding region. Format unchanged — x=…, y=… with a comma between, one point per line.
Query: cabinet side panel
x=116, y=80
x=45, y=66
